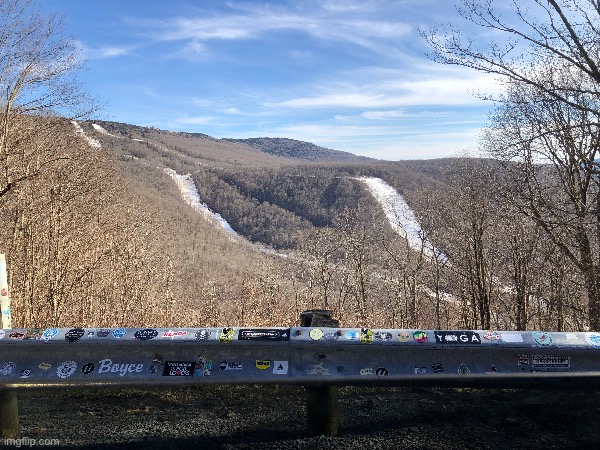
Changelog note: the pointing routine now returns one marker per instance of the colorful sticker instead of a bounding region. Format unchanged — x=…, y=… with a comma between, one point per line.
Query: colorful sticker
x=280, y=367
x=366, y=335
x=492, y=336
x=541, y=338
x=315, y=334
x=34, y=333
x=66, y=369
x=203, y=366
x=226, y=335
x=420, y=337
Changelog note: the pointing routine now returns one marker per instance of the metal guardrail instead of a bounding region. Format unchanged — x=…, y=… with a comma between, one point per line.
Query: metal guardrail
x=319, y=357
x=297, y=355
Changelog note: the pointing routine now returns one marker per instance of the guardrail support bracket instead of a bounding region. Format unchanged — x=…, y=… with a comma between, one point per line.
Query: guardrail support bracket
x=322, y=410
x=9, y=415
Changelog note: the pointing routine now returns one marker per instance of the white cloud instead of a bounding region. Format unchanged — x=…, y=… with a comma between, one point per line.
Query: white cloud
x=105, y=52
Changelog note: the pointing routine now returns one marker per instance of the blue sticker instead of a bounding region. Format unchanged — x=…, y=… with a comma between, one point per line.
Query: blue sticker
x=352, y=335
x=119, y=333
x=49, y=333
x=593, y=339
x=541, y=338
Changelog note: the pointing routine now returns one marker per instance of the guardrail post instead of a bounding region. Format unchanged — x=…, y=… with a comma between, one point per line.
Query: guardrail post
x=9, y=415
x=322, y=410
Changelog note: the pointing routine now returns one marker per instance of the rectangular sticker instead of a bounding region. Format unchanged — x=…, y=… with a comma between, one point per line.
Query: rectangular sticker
x=550, y=361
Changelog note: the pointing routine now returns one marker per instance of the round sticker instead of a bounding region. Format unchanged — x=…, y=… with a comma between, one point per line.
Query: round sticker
x=593, y=339
x=66, y=369
x=74, y=335
x=202, y=335
x=316, y=334
x=420, y=336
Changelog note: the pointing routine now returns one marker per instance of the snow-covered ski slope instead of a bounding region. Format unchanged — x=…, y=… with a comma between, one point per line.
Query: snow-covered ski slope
x=190, y=195
x=401, y=218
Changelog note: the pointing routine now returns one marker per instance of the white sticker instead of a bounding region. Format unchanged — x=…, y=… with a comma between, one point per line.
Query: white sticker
x=280, y=367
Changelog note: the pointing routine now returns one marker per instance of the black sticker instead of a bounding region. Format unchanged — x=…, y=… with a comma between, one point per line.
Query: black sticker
x=258, y=334
x=202, y=335
x=103, y=332
x=16, y=335
x=457, y=337
x=437, y=368
x=381, y=372
x=179, y=369
x=87, y=368
x=145, y=334
x=74, y=335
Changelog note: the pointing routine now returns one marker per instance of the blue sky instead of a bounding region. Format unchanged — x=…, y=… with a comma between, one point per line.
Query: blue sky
x=343, y=74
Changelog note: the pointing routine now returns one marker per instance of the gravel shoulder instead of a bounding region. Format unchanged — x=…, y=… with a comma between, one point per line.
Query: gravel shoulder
x=256, y=417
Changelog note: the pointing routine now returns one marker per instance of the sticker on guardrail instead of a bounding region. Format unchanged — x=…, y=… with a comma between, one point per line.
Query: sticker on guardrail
x=541, y=338
x=420, y=336
x=280, y=367
x=457, y=337
x=366, y=335
x=261, y=334
x=550, y=361
x=226, y=335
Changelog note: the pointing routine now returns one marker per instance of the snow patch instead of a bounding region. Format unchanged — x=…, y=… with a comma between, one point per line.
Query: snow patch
x=401, y=218
x=99, y=129
x=190, y=196
x=93, y=142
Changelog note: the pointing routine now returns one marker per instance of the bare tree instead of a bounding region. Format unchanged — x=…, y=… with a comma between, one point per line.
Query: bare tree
x=38, y=68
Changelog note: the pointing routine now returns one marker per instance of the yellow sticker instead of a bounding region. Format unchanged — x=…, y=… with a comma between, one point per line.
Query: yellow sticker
x=366, y=335
x=226, y=335
x=263, y=364
x=315, y=334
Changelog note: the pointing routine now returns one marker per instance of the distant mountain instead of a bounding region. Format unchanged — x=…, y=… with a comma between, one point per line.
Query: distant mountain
x=291, y=148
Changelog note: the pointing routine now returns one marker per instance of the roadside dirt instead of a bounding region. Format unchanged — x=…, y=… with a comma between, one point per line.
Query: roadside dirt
x=273, y=417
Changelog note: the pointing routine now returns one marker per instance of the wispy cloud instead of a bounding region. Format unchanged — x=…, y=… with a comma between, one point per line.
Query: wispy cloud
x=104, y=52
